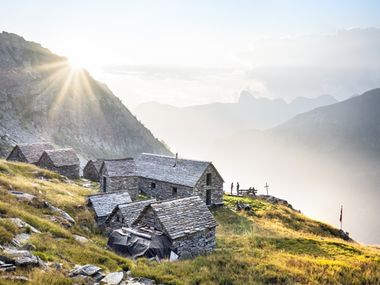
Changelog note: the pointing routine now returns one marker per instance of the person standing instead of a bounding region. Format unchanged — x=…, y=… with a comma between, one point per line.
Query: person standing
x=232, y=187
x=237, y=187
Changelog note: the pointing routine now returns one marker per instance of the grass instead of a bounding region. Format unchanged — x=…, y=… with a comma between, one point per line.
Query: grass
x=270, y=245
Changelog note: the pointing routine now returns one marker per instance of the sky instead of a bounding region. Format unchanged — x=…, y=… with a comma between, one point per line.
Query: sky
x=195, y=52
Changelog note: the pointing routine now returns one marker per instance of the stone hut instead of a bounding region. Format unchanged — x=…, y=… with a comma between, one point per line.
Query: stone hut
x=187, y=223
x=124, y=215
x=92, y=169
x=63, y=161
x=167, y=177
x=103, y=204
x=29, y=153
x=119, y=175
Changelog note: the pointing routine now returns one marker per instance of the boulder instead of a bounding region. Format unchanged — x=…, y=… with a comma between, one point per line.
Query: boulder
x=21, y=257
x=80, y=239
x=113, y=278
x=22, y=225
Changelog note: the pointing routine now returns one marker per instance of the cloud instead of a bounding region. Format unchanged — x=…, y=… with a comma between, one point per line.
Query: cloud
x=342, y=64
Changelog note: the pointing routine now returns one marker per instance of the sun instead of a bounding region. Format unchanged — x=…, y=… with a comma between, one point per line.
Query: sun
x=76, y=62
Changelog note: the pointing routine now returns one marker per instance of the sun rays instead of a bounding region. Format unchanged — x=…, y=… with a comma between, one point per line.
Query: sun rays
x=70, y=90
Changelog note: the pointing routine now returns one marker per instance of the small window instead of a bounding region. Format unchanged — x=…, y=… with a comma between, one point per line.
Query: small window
x=174, y=191
x=117, y=219
x=152, y=185
x=208, y=179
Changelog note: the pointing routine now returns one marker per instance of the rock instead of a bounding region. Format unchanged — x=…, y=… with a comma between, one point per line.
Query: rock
x=80, y=239
x=16, y=278
x=140, y=281
x=23, y=225
x=22, y=196
x=6, y=267
x=86, y=270
x=113, y=278
x=275, y=200
x=62, y=213
x=22, y=257
x=20, y=239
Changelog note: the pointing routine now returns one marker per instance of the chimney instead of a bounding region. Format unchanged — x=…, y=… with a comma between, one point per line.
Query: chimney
x=176, y=159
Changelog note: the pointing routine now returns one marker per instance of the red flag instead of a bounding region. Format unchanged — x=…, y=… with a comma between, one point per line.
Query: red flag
x=341, y=214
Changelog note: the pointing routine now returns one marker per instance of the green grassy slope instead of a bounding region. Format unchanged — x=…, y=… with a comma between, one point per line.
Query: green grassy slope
x=272, y=245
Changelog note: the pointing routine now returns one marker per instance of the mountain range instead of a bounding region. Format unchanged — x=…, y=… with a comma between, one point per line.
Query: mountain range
x=217, y=120
x=42, y=97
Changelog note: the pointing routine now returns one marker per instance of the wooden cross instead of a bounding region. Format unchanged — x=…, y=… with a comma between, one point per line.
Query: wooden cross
x=266, y=186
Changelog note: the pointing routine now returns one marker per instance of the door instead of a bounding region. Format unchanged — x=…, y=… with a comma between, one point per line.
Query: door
x=104, y=184
x=208, y=197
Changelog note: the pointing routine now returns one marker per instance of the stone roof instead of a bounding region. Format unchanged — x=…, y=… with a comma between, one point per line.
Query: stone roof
x=63, y=157
x=120, y=167
x=104, y=204
x=33, y=151
x=97, y=164
x=131, y=211
x=159, y=167
x=182, y=217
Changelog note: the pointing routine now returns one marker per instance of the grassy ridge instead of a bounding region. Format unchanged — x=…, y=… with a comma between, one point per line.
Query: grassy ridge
x=271, y=245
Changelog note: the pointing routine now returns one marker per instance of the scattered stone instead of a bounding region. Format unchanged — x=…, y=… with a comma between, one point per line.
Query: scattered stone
x=140, y=281
x=16, y=278
x=63, y=214
x=113, y=278
x=6, y=267
x=275, y=200
x=21, y=257
x=23, y=225
x=20, y=239
x=80, y=239
x=22, y=196
x=86, y=270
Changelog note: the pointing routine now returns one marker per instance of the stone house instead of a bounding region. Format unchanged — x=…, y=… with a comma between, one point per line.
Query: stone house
x=103, y=204
x=124, y=215
x=63, y=161
x=92, y=169
x=119, y=175
x=29, y=153
x=167, y=177
x=187, y=222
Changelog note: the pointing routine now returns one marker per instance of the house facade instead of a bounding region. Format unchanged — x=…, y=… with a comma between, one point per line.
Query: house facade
x=166, y=177
x=63, y=161
x=29, y=153
x=92, y=169
x=187, y=223
x=119, y=175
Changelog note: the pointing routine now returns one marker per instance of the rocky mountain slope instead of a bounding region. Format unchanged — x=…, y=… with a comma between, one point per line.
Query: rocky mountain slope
x=43, y=98
x=265, y=244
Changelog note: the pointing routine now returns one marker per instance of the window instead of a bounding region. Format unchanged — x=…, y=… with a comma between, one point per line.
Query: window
x=117, y=219
x=208, y=179
x=152, y=185
x=174, y=191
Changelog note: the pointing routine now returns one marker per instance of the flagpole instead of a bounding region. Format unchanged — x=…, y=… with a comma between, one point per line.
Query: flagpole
x=341, y=217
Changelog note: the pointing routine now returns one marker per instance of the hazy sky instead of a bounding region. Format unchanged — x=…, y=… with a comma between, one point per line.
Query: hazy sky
x=190, y=52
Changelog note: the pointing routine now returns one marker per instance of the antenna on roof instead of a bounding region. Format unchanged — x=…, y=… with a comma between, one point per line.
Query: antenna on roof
x=176, y=158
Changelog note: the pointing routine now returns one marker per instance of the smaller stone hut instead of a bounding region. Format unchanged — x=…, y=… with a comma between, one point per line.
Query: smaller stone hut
x=103, y=204
x=187, y=222
x=64, y=161
x=92, y=169
x=29, y=153
x=125, y=214
x=119, y=175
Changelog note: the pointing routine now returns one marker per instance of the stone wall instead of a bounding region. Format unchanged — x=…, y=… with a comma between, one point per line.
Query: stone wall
x=90, y=172
x=199, y=243
x=70, y=171
x=163, y=190
x=114, y=184
x=216, y=186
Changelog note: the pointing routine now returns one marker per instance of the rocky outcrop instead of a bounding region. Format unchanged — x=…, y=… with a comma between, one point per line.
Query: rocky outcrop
x=42, y=98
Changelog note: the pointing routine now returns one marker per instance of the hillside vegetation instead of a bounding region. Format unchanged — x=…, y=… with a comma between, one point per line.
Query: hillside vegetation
x=271, y=244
